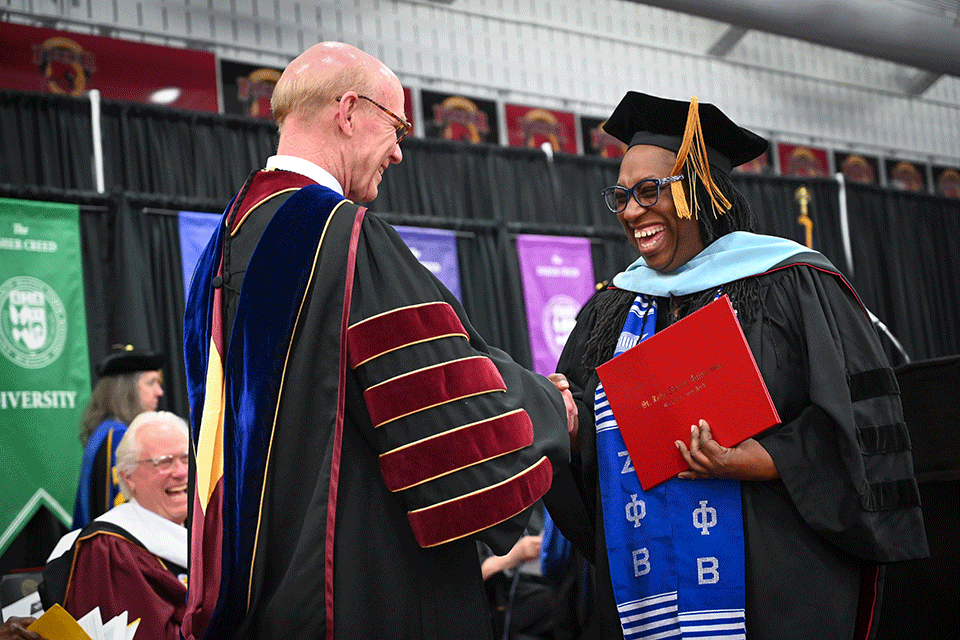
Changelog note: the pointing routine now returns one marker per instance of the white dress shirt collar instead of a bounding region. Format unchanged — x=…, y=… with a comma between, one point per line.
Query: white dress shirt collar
x=305, y=168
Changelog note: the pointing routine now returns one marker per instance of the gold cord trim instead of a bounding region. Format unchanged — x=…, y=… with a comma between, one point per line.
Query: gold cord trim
x=692, y=159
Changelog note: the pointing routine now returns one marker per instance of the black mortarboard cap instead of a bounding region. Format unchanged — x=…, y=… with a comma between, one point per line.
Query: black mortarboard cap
x=125, y=359
x=644, y=119
x=701, y=136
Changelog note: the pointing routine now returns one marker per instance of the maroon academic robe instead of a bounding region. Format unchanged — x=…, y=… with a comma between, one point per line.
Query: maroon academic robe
x=118, y=575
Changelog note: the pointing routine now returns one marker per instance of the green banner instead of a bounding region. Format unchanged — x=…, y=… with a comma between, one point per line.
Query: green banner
x=44, y=363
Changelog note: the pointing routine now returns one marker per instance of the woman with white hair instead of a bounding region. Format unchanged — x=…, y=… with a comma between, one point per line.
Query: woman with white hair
x=133, y=558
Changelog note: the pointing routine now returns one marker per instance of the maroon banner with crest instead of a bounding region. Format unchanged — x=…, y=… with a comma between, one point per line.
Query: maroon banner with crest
x=857, y=167
x=53, y=61
x=408, y=111
x=532, y=126
x=906, y=175
x=597, y=142
x=803, y=162
x=758, y=166
x=457, y=117
x=946, y=181
x=247, y=88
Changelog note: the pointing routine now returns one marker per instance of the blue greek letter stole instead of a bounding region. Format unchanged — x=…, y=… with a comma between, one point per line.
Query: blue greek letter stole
x=676, y=551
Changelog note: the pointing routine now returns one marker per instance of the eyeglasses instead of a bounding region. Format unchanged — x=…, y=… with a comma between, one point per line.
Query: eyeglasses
x=403, y=126
x=646, y=193
x=165, y=463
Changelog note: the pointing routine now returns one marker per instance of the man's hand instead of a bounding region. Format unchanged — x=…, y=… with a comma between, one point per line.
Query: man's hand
x=573, y=425
x=15, y=628
x=707, y=459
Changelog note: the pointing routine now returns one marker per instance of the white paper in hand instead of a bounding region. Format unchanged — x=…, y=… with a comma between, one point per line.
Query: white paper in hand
x=116, y=629
x=132, y=628
x=92, y=623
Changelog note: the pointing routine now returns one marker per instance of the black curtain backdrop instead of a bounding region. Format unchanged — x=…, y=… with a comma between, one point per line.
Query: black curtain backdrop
x=46, y=141
x=775, y=203
x=907, y=266
x=158, y=161
x=181, y=153
x=905, y=257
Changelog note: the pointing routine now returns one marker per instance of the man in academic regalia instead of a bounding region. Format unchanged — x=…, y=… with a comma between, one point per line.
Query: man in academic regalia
x=133, y=557
x=354, y=436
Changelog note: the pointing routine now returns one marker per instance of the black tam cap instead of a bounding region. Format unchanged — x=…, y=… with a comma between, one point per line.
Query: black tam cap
x=125, y=359
x=644, y=119
x=701, y=136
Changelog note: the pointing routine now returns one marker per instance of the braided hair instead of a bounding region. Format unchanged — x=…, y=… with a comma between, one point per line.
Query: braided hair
x=745, y=295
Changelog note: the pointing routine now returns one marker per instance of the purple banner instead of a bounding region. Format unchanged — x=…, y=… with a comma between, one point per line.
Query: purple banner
x=557, y=276
x=436, y=249
x=196, y=229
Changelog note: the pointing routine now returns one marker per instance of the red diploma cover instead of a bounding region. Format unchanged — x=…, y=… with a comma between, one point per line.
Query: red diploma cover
x=701, y=367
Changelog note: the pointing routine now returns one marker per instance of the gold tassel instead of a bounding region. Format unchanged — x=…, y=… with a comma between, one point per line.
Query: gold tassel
x=692, y=159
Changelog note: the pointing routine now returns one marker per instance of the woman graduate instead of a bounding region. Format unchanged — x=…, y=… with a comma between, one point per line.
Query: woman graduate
x=803, y=514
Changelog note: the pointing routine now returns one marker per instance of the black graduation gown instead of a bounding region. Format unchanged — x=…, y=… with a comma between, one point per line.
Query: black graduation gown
x=847, y=497
x=406, y=523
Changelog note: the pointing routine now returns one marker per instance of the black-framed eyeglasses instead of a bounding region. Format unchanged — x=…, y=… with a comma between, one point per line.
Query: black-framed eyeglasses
x=164, y=464
x=646, y=193
x=403, y=126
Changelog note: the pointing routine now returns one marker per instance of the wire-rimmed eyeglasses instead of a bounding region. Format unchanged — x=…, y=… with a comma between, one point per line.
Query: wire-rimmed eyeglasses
x=403, y=126
x=164, y=464
x=646, y=193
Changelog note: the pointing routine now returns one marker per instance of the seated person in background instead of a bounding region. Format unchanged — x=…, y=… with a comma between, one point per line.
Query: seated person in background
x=527, y=548
x=524, y=601
x=133, y=558
x=130, y=382
x=572, y=576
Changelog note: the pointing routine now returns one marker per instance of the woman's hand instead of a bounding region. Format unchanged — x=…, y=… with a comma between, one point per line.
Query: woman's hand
x=708, y=459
